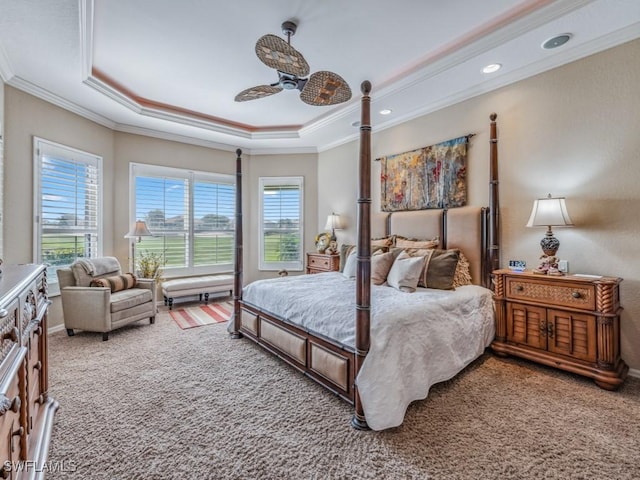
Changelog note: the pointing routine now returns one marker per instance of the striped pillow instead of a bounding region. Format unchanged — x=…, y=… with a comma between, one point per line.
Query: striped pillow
x=116, y=282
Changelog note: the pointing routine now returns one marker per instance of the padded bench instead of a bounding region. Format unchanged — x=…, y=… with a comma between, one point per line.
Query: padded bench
x=202, y=285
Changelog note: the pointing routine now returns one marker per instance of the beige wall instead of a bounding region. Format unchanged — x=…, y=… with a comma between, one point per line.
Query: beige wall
x=573, y=132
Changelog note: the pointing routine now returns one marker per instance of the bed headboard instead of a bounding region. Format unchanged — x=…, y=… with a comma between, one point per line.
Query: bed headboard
x=463, y=228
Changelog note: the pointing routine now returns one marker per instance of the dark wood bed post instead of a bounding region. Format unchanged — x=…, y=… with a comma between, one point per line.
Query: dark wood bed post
x=493, y=262
x=237, y=273
x=363, y=273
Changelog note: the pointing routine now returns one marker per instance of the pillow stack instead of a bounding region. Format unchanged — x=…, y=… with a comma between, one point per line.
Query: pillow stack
x=408, y=263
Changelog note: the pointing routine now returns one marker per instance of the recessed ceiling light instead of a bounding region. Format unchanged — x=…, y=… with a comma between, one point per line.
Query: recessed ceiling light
x=355, y=124
x=385, y=111
x=556, y=41
x=494, y=67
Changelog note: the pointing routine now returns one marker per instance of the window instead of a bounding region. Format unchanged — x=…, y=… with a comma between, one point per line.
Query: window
x=281, y=225
x=191, y=217
x=68, y=201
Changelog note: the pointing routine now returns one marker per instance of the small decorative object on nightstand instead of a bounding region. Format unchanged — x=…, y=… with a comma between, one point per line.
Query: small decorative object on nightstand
x=321, y=262
x=570, y=322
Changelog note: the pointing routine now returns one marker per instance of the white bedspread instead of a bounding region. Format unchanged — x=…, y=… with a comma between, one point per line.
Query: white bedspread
x=417, y=339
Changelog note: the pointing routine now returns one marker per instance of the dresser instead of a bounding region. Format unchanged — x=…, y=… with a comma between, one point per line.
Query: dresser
x=322, y=262
x=26, y=409
x=569, y=322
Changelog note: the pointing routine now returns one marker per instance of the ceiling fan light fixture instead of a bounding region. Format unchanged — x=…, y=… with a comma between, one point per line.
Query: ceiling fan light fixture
x=321, y=88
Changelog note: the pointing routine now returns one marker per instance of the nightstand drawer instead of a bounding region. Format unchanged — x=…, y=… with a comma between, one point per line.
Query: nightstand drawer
x=319, y=261
x=568, y=294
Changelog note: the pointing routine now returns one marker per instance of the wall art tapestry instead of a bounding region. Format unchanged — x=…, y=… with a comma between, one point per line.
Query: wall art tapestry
x=429, y=177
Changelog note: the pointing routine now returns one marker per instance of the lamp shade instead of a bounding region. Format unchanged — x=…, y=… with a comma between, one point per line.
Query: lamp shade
x=549, y=212
x=139, y=230
x=334, y=222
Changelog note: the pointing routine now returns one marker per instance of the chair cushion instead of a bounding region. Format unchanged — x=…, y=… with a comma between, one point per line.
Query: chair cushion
x=116, y=282
x=129, y=298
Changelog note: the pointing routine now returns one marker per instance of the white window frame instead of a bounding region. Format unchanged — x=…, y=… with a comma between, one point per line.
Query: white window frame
x=289, y=265
x=43, y=147
x=144, y=169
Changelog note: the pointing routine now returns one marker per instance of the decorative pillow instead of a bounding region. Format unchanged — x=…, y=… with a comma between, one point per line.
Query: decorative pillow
x=405, y=272
x=419, y=252
x=383, y=242
x=116, y=282
x=463, y=272
x=381, y=263
x=346, y=249
x=350, y=265
x=404, y=242
x=441, y=269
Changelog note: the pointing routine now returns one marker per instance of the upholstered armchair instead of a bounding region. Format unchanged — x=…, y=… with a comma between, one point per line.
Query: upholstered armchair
x=97, y=297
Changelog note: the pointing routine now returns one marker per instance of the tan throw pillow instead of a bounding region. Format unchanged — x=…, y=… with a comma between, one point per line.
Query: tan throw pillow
x=405, y=272
x=116, y=282
x=381, y=263
x=404, y=242
x=463, y=272
x=441, y=269
x=383, y=242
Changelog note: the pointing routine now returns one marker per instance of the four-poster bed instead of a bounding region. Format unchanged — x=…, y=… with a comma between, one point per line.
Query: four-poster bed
x=322, y=340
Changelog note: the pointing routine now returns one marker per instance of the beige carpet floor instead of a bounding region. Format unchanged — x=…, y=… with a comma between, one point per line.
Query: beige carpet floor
x=157, y=402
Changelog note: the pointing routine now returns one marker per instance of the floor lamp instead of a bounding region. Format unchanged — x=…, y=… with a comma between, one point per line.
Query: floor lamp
x=138, y=231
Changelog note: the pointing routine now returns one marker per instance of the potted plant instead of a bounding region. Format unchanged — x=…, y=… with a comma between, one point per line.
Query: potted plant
x=149, y=265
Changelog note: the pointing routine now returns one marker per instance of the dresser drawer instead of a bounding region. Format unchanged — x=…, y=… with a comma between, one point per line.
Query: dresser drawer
x=563, y=293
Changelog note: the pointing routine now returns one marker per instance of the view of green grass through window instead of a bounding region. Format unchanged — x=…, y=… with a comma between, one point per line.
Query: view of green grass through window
x=191, y=219
x=281, y=226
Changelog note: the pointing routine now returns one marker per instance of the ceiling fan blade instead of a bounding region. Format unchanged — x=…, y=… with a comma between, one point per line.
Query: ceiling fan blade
x=276, y=53
x=325, y=88
x=254, y=93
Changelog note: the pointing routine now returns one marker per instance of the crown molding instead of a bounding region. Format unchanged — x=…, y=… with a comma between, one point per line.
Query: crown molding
x=174, y=137
x=54, y=99
x=565, y=57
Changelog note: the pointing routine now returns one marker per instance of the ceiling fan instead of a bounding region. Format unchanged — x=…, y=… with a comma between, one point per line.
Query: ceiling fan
x=321, y=88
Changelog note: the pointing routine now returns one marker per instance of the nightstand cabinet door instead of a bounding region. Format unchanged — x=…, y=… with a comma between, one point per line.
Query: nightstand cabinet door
x=527, y=325
x=572, y=334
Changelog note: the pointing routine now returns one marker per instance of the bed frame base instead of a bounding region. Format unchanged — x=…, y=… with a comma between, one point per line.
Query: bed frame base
x=324, y=361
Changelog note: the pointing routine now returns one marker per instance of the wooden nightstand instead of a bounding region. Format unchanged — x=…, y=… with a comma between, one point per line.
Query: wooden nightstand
x=568, y=322
x=322, y=262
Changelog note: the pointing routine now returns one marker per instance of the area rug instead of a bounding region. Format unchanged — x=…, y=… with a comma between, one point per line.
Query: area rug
x=200, y=315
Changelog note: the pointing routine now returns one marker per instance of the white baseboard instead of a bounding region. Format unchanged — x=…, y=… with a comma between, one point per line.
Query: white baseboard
x=55, y=329
x=634, y=373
